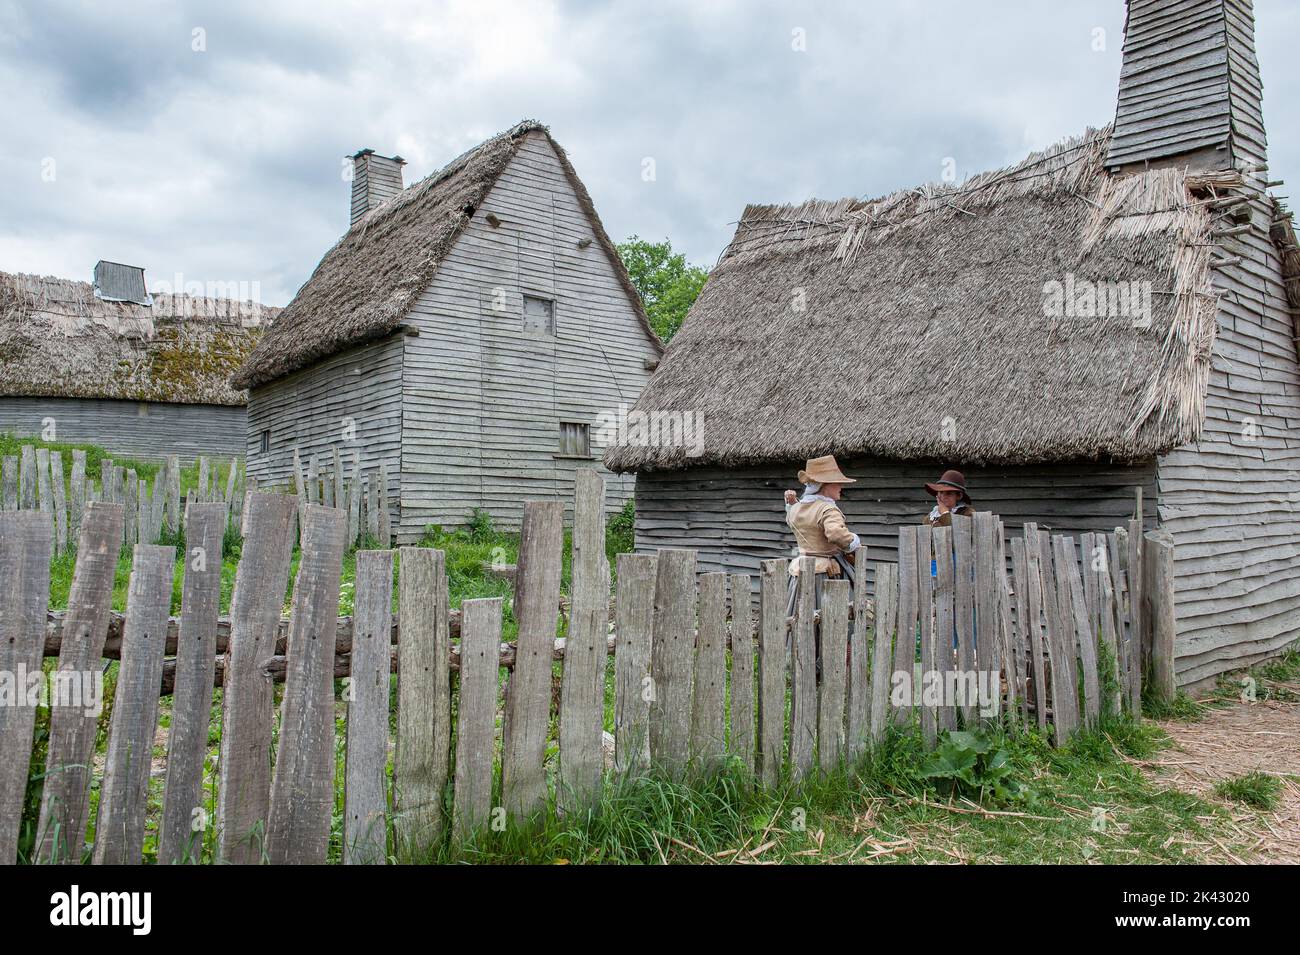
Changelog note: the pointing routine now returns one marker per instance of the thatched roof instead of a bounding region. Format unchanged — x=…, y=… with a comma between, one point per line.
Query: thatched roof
x=58, y=340
x=930, y=304
x=366, y=284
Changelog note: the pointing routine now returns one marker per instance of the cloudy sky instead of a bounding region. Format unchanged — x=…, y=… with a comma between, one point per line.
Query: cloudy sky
x=207, y=139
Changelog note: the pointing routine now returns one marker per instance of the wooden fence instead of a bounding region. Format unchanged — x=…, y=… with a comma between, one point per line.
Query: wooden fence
x=697, y=679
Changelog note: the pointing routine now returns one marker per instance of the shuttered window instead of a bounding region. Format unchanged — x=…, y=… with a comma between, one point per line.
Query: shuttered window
x=575, y=440
x=539, y=315
x=264, y=443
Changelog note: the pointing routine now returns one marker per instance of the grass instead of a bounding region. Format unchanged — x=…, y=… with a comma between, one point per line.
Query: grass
x=1259, y=790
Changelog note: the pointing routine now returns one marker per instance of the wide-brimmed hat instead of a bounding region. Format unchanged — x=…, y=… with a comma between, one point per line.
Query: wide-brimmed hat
x=951, y=481
x=823, y=470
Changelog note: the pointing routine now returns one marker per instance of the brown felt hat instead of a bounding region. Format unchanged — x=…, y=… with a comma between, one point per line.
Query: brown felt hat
x=823, y=470
x=951, y=481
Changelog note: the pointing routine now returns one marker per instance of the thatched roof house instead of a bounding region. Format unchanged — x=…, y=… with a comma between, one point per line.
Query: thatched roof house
x=1115, y=312
x=145, y=378
x=472, y=326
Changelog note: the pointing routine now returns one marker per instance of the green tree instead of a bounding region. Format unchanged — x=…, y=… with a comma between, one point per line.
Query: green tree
x=667, y=285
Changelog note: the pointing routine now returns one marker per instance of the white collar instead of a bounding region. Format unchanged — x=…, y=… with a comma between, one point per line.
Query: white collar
x=807, y=498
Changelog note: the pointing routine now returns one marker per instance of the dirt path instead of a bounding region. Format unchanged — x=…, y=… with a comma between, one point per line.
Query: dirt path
x=1232, y=741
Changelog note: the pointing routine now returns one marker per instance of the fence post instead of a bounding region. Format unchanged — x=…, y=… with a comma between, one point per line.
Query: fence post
x=27, y=495
x=858, y=704
x=1060, y=637
x=60, y=502
x=963, y=545
x=26, y=546
x=882, y=669
x=9, y=478
x=672, y=660
x=119, y=826
x=243, y=799
x=742, y=672
x=1025, y=552
x=365, y=831
x=528, y=694
x=1138, y=630
x=803, y=673
x=905, y=647
x=196, y=647
x=582, y=689
x=1081, y=619
x=708, y=740
x=423, y=701
x=830, y=701
x=634, y=609
x=1159, y=588
x=302, y=790
x=65, y=800
x=945, y=607
x=480, y=636
x=773, y=580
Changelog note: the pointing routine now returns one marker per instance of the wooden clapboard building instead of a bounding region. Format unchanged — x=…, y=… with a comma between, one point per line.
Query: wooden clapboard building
x=468, y=333
x=1114, y=313
x=108, y=363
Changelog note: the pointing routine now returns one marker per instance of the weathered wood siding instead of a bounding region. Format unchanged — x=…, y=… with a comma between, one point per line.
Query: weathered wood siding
x=1232, y=499
x=1189, y=85
x=737, y=519
x=139, y=429
x=312, y=409
x=483, y=398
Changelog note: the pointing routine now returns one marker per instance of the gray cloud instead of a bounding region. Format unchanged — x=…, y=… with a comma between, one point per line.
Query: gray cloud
x=225, y=164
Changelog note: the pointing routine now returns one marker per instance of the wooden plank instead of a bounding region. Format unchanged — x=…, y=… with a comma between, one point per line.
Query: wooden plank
x=773, y=578
x=77, y=504
x=60, y=503
x=905, y=647
x=1036, y=621
x=803, y=674
x=1159, y=587
x=1117, y=545
x=1060, y=643
x=476, y=715
x=633, y=627
x=742, y=673
x=887, y=602
x=1020, y=641
x=26, y=547
x=1109, y=641
x=131, y=498
x=989, y=574
x=27, y=494
x=830, y=704
x=1087, y=553
x=173, y=492
x=422, y=757
x=582, y=691
x=945, y=605
x=9, y=482
x=1138, y=615
x=365, y=827
x=857, y=720
x=354, y=501
x=963, y=544
x=1083, y=622
x=184, y=821
x=340, y=497
x=672, y=657
x=204, y=493
x=925, y=608
x=65, y=798
x=528, y=694
x=44, y=493
x=708, y=741
x=385, y=519
x=302, y=789
x=123, y=792
x=244, y=792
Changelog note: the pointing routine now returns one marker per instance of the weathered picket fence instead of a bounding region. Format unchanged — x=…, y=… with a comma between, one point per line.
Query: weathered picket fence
x=360, y=493
x=34, y=480
x=679, y=707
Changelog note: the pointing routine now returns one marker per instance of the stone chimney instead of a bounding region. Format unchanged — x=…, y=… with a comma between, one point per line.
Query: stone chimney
x=375, y=179
x=1189, y=89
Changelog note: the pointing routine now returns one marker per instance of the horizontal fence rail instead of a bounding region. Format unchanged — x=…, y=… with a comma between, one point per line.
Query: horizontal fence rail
x=966, y=630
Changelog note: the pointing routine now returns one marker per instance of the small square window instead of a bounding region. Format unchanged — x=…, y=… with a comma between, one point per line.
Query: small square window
x=539, y=315
x=575, y=440
x=264, y=442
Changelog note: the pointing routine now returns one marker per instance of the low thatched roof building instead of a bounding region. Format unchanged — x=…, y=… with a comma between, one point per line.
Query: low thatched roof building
x=471, y=328
x=144, y=378
x=1113, y=313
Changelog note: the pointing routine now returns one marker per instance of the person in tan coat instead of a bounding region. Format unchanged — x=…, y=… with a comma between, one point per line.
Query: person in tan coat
x=820, y=530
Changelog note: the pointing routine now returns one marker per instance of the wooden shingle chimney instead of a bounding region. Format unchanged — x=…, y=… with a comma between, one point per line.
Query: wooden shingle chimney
x=375, y=179
x=1189, y=90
